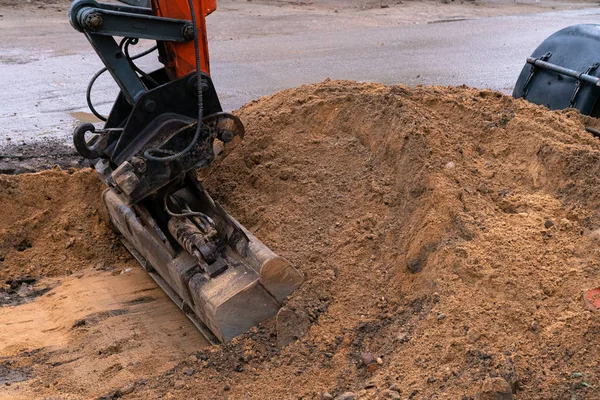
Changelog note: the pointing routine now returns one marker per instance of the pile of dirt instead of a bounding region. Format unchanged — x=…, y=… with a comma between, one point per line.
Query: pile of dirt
x=54, y=223
x=447, y=236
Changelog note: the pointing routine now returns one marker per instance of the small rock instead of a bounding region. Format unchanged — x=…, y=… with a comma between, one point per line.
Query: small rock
x=495, y=389
x=291, y=325
x=415, y=265
x=189, y=371
x=483, y=189
x=548, y=224
x=24, y=245
x=127, y=389
x=395, y=388
x=346, y=396
x=441, y=317
x=385, y=6
x=370, y=385
x=509, y=373
x=24, y=290
x=141, y=382
x=591, y=299
x=450, y=165
x=326, y=396
x=371, y=368
x=379, y=360
x=534, y=326
x=367, y=358
x=403, y=337
x=473, y=336
x=226, y=388
x=178, y=384
x=391, y=394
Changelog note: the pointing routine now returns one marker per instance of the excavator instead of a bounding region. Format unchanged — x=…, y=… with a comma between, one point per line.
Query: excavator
x=163, y=126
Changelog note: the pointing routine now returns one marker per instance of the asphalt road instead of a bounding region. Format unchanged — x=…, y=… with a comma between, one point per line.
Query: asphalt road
x=44, y=94
x=482, y=53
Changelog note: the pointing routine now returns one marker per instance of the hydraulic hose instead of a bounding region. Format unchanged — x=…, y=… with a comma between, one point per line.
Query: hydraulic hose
x=148, y=153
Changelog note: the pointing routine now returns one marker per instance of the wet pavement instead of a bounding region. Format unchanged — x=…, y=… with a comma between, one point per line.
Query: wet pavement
x=44, y=89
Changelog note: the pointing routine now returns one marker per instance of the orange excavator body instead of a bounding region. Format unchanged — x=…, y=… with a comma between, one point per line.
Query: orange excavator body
x=180, y=58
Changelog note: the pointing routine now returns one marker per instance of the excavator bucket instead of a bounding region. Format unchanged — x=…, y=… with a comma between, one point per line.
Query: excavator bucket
x=244, y=283
x=564, y=71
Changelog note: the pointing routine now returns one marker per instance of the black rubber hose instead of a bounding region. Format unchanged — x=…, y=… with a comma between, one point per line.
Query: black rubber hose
x=593, y=131
x=148, y=153
x=135, y=41
x=88, y=93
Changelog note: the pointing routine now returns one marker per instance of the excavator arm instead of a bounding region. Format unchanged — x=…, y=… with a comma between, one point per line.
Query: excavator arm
x=162, y=127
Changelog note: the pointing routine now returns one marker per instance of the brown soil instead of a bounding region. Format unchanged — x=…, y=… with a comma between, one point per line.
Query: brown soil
x=80, y=317
x=447, y=236
x=93, y=332
x=54, y=223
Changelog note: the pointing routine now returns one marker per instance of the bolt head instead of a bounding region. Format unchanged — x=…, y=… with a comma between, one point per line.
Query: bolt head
x=93, y=21
x=226, y=136
x=188, y=32
x=150, y=106
x=139, y=164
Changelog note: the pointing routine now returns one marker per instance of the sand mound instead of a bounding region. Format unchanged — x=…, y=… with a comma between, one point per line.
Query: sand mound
x=447, y=235
x=53, y=223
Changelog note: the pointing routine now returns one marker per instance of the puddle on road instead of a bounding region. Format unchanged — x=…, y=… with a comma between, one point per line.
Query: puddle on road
x=83, y=116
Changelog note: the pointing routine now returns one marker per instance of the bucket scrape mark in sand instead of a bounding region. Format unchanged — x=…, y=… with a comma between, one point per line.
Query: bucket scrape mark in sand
x=95, y=325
